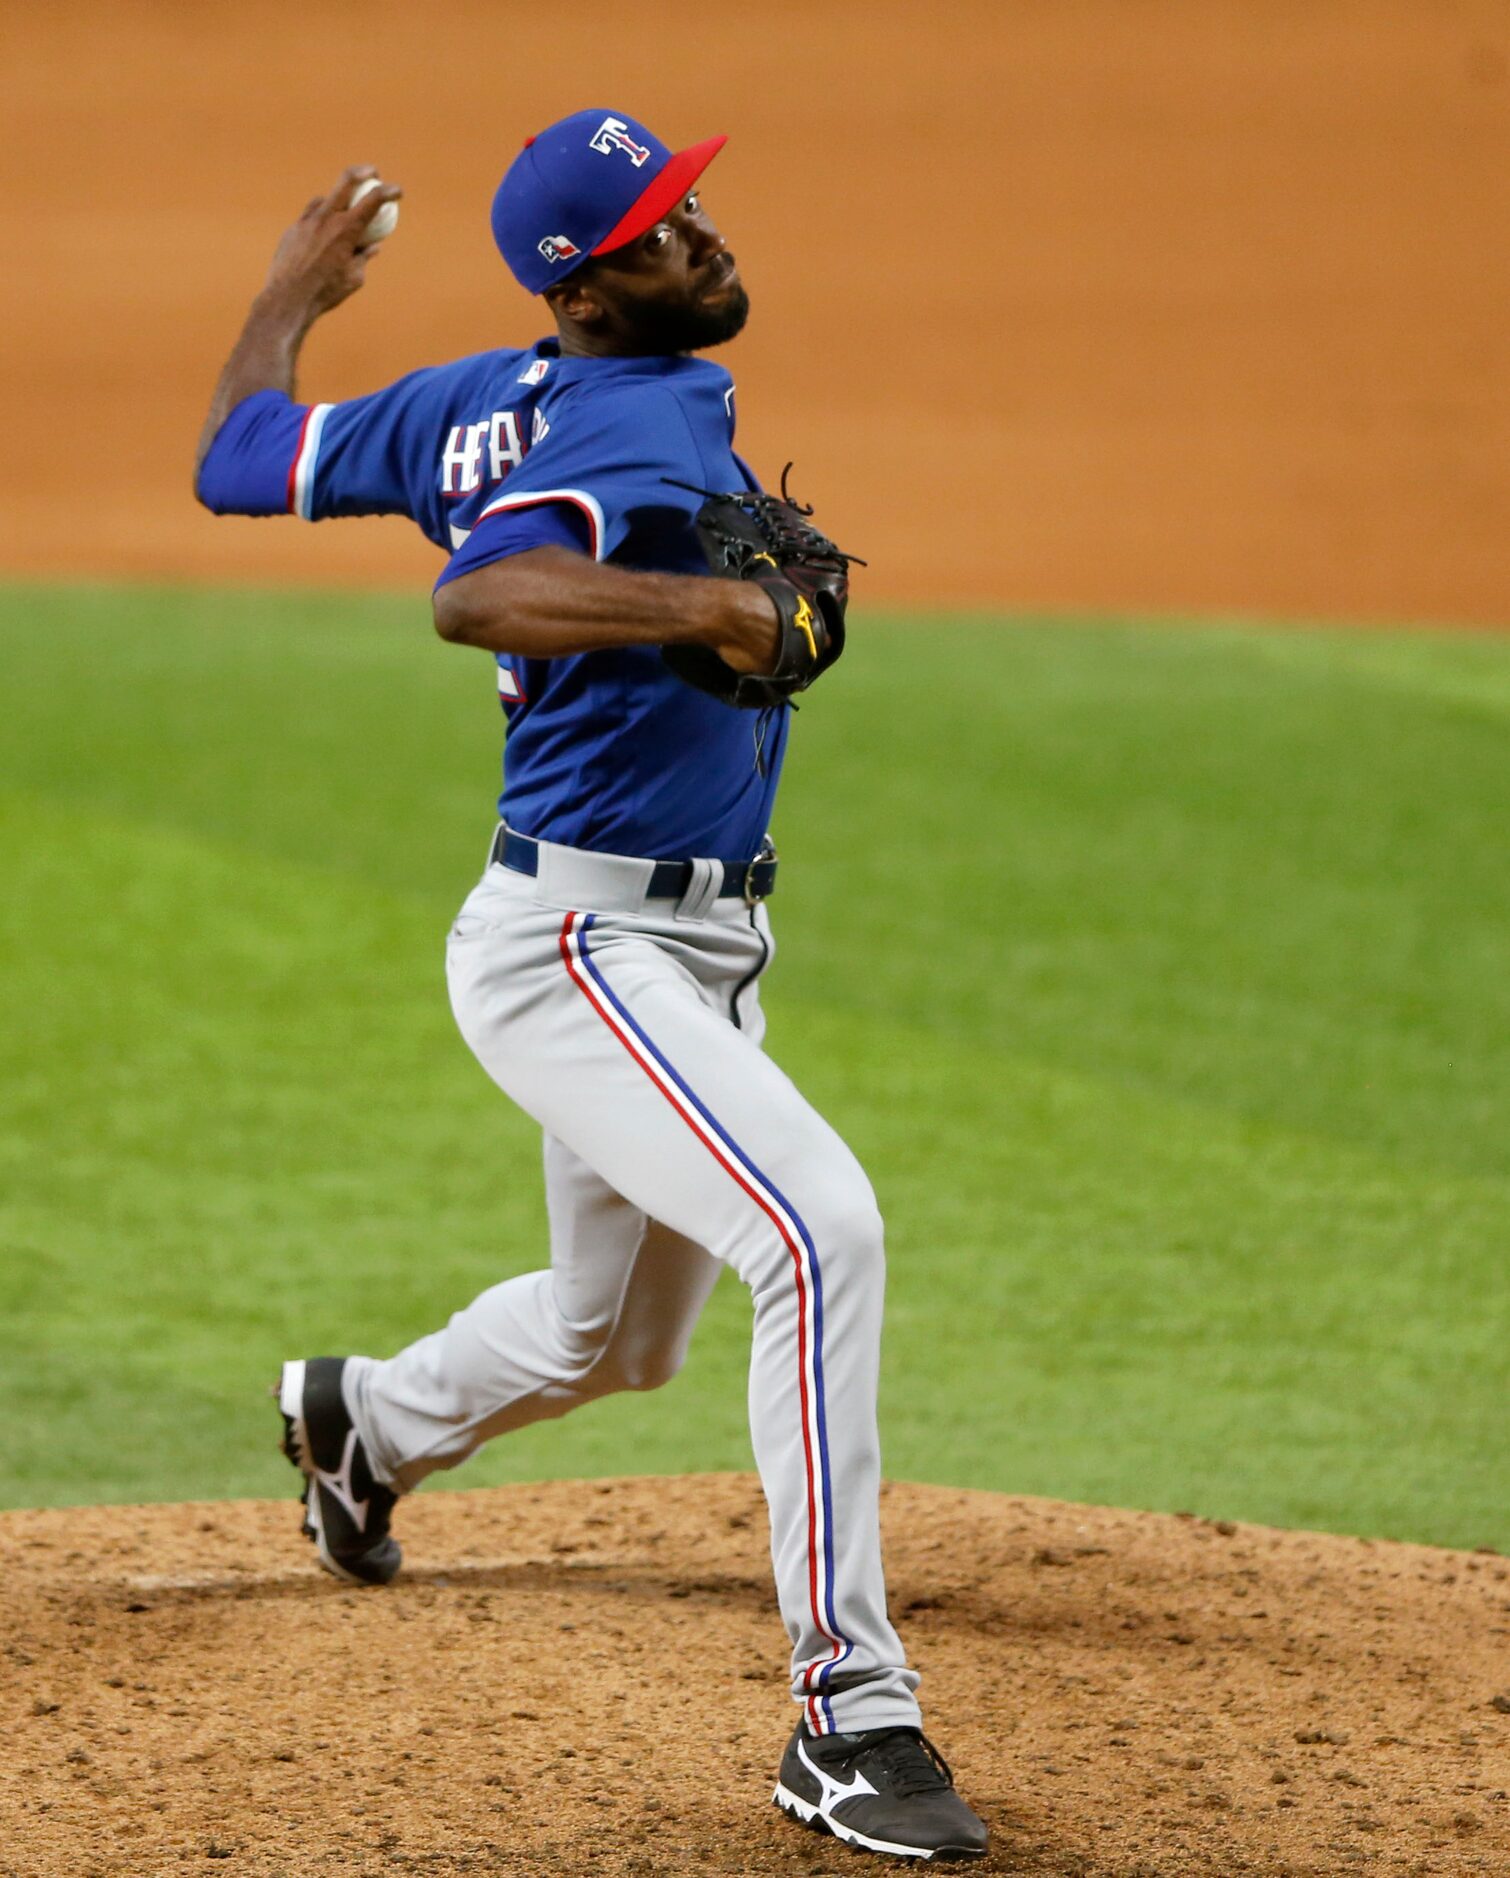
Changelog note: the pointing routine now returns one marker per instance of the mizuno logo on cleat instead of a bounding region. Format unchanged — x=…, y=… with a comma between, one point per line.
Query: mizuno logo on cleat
x=833, y=1792
x=338, y=1485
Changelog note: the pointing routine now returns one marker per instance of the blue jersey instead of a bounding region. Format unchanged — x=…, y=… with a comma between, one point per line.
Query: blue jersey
x=511, y=450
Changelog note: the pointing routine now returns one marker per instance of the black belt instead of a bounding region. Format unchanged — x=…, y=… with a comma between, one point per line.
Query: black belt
x=669, y=880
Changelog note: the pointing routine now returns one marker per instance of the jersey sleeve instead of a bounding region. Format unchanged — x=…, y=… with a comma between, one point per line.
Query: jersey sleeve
x=515, y=531
x=373, y=455
x=248, y=469
x=611, y=461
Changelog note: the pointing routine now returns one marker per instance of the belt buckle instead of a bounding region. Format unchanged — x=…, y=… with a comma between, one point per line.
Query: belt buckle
x=766, y=857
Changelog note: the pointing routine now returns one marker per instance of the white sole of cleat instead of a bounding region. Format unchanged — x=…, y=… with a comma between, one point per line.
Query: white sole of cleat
x=806, y=1813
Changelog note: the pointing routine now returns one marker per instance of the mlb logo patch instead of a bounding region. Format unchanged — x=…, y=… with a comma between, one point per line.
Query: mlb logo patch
x=534, y=372
x=613, y=134
x=509, y=691
x=558, y=248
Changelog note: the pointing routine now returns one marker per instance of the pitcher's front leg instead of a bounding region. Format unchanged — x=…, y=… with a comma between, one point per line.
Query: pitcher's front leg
x=685, y=1115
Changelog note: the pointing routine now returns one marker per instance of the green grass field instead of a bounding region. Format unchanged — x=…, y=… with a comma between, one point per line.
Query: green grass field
x=1159, y=975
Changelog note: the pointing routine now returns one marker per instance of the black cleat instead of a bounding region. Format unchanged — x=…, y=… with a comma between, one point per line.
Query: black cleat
x=887, y=1790
x=346, y=1511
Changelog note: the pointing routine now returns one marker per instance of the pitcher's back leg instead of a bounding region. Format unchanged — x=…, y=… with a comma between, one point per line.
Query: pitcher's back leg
x=614, y=1310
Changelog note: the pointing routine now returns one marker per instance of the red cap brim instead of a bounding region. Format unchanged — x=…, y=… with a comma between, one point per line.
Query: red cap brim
x=668, y=188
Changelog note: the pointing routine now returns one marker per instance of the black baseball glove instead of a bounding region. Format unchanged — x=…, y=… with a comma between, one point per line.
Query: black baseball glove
x=768, y=539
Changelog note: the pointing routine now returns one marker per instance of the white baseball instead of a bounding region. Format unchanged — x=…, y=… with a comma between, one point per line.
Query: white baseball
x=384, y=222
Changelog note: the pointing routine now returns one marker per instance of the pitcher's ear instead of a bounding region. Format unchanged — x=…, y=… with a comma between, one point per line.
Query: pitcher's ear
x=575, y=300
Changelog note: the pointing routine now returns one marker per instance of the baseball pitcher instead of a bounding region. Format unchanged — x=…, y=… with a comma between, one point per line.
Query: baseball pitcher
x=650, y=613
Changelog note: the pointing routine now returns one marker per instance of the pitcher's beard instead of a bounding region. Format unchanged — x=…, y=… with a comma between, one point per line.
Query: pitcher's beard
x=665, y=329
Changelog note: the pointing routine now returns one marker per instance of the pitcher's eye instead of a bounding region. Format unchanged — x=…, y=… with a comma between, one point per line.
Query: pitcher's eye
x=694, y=203
x=658, y=237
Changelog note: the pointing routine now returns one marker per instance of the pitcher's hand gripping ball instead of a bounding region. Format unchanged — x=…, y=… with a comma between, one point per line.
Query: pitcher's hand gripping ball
x=768, y=539
x=384, y=222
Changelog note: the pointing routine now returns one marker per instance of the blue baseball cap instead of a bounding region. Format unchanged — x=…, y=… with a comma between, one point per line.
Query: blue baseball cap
x=587, y=185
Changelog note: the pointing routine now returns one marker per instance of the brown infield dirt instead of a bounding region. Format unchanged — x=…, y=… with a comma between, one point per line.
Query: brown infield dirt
x=587, y=1676
x=1072, y=303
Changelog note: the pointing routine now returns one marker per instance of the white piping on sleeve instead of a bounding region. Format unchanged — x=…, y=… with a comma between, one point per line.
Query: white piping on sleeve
x=589, y=505
x=304, y=467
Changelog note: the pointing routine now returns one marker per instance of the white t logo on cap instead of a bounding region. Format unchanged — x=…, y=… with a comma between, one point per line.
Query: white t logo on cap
x=613, y=134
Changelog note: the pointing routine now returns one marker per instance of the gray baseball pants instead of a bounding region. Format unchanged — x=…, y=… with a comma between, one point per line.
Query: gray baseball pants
x=630, y=1029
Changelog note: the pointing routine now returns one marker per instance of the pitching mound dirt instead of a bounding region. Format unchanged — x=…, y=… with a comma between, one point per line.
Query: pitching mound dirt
x=586, y=1676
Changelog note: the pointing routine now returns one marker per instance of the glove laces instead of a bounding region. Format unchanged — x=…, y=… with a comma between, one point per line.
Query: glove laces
x=763, y=722
x=782, y=522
